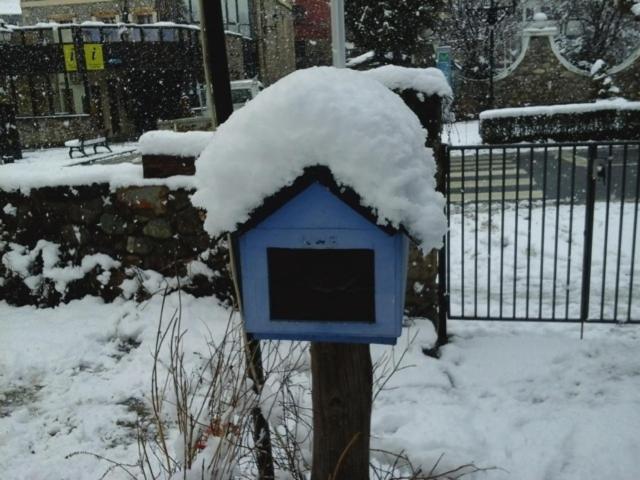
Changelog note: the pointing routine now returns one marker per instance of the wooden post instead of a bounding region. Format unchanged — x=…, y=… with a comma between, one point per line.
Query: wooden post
x=342, y=384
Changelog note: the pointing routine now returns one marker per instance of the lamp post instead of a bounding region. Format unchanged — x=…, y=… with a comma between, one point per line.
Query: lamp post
x=495, y=10
x=338, y=33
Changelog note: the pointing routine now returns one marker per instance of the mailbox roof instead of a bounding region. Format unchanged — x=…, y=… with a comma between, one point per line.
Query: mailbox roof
x=316, y=174
x=341, y=119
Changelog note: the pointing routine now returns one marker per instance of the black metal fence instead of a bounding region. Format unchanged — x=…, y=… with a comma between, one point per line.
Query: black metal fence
x=543, y=232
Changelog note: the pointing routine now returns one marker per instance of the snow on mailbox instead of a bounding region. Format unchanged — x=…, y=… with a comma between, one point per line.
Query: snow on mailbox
x=321, y=180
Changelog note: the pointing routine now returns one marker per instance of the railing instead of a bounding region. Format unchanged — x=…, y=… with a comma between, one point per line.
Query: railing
x=543, y=232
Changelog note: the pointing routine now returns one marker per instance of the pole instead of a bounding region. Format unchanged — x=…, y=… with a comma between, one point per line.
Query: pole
x=338, y=43
x=78, y=45
x=443, y=294
x=491, y=65
x=588, y=238
x=216, y=65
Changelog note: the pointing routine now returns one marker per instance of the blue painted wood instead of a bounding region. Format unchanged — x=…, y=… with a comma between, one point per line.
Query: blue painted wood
x=317, y=219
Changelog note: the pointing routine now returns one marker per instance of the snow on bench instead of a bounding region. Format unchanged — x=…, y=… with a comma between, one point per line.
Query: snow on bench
x=79, y=144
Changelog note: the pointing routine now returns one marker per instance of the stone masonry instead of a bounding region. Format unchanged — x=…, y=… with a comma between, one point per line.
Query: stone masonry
x=143, y=228
x=150, y=232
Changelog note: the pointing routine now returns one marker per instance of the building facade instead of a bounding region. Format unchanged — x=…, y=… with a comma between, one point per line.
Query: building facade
x=79, y=68
x=312, y=23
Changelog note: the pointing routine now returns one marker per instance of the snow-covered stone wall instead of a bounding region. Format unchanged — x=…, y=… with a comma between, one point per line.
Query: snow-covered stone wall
x=62, y=243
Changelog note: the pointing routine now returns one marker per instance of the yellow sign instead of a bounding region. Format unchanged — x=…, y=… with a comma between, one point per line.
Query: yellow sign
x=93, y=56
x=70, y=59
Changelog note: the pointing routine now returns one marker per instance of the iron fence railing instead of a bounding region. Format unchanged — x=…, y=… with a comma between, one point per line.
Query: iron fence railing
x=542, y=232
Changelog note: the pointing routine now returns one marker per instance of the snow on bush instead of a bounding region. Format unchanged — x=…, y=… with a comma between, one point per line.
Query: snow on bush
x=429, y=81
x=613, y=104
x=603, y=120
x=20, y=261
x=178, y=144
x=341, y=119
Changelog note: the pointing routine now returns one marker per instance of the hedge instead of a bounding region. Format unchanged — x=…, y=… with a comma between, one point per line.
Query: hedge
x=563, y=123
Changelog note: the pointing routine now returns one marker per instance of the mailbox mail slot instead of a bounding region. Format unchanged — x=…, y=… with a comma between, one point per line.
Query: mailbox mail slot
x=321, y=285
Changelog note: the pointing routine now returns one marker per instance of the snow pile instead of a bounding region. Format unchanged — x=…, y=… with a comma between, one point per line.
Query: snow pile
x=365, y=57
x=613, y=104
x=10, y=7
x=178, y=144
x=341, y=119
x=52, y=167
x=429, y=81
x=540, y=17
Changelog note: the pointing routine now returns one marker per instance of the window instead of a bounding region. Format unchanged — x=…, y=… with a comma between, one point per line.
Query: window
x=151, y=34
x=107, y=19
x=144, y=18
x=236, y=16
x=91, y=35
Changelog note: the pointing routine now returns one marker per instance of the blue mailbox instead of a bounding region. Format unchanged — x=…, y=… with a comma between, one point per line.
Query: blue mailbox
x=315, y=265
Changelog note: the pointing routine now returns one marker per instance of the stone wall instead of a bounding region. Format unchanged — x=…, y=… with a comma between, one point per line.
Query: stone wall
x=541, y=76
x=273, y=27
x=542, y=79
x=627, y=76
x=59, y=244
x=235, y=57
x=54, y=130
x=106, y=243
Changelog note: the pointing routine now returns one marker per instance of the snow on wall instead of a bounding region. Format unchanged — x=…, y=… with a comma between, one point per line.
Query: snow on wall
x=24, y=176
x=19, y=260
x=179, y=144
x=615, y=104
x=338, y=118
x=10, y=7
x=429, y=81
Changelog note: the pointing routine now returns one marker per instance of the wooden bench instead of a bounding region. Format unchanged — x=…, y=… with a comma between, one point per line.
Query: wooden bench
x=79, y=145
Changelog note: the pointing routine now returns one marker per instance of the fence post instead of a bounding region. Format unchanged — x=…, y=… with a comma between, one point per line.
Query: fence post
x=588, y=238
x=443, y=296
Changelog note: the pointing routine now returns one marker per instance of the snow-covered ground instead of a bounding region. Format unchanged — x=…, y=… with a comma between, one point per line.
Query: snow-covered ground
x=60, y=156
x=515, y=258
x=532, y=400
x=462, y=133
x=51, y=167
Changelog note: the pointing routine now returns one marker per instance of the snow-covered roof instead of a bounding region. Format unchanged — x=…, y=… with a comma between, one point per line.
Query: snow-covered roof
x=338, y=118
x=10, y=7
x=615, y=103
x=179, y=144
x=429, y=81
